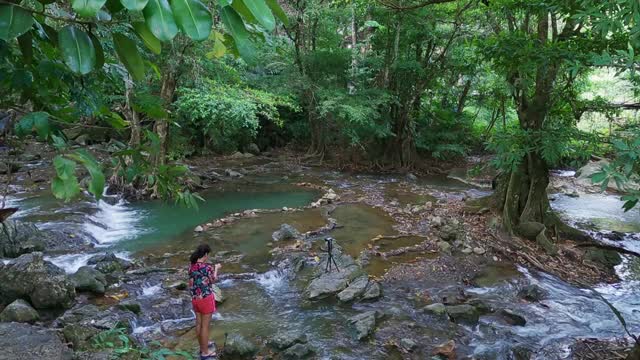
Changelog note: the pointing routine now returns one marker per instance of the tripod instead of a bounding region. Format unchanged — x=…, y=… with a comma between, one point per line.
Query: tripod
x=331, y=261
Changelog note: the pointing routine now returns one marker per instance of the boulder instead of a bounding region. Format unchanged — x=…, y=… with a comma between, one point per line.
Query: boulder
x=463, y=314
x=89, y=279
x=365, y=323
x=372, y=292
x=446, y=350
x=109, y=263
x=232, y=174
x=79, y=336
x=436, y=309
x=411, y=177
x=286, y=232
x=408, y=344
x=444, y=247
x=603, y=257
x=237, y=347
x=532, y=293
x=24, y=341
x=19, y=311
x=18, y=238
x=355, y=289
x=31, y=277
x=284, y=340
x=130, y=305
x=298, y=351
x=584, y=174
x=91, y=315
x=253, y=149
x=331, y=283
x=513, y=318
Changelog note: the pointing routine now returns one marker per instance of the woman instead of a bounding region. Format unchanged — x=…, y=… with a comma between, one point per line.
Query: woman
x=201, y=277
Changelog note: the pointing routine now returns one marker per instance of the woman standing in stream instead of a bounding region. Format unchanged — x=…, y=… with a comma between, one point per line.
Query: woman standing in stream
x=201, y=277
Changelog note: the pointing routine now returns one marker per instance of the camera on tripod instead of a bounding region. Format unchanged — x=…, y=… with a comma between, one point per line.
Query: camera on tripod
x=331, y=261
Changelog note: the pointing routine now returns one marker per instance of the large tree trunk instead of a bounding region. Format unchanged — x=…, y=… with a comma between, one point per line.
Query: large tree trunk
x=132, y=115
x=162, y=126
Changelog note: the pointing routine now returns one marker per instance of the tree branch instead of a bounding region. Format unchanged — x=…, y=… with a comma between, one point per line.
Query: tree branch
x=395, y=6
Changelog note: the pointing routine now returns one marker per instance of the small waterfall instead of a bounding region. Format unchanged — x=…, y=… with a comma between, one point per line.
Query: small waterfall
x=115, y=222
x=70, y=263
x=273, y=280
x=150, y=290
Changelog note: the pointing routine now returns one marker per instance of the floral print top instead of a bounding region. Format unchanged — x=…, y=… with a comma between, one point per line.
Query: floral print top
x=200, y=280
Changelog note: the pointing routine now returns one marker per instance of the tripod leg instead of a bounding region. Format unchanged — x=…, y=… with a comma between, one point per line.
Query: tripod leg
x=335, y=263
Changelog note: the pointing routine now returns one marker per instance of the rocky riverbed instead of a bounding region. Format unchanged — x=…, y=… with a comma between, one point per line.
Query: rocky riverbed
x=424, y=271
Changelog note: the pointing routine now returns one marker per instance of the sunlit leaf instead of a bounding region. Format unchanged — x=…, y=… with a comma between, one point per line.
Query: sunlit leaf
x=233, y=22
x=261, y=12
x=87, y=8
x=77, y=49
x=14, y=22
x=193, y=18
x=160, y=20
x=277, y=11
x=129, y=56
x=134, y=5
x=149, y=40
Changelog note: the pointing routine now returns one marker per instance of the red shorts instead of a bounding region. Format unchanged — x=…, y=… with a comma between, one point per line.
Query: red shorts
x=204, y=306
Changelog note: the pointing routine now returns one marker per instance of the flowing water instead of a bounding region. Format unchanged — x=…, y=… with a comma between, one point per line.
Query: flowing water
x=260, y=305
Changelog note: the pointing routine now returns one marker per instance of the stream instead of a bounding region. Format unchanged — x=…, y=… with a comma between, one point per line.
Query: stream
x=266, y=302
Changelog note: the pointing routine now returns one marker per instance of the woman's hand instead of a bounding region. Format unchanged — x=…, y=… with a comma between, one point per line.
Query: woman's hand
x=217, y=267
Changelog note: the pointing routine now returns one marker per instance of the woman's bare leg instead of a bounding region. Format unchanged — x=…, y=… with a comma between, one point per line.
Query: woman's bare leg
x=198, y=324
x=204, y=333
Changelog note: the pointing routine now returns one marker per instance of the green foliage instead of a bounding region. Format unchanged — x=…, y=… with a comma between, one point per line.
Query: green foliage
x=120, y=344
x=624, y=170
x=225, y=117
x=445, y=135
x=65, y=184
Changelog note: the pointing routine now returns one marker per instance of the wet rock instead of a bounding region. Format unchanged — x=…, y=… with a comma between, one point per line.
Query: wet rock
x=453, y=296
x=109, y=263
x=513, y=318
x=177, y=327
x=285, y=340
x=198, y=228
x=411, y=177
x=444, y=247
x=91, y=315
x=253, y=149
x=603, y=257
x=372, y=292
x=463, y=314
x=481, y=307
x=532, y=293
x=408, y=344
x=237, y=347
x=23, y=341
x=298, y=351
x=31, y=277
x=435, y=221
x=354, y=290
x=614, y=235
x=19, y=311
x=436, y=309
x=521, y=352
x=446, y=350
x=449, y=233
x=130, y=305
x=18, y=238
x=286, y=232
x=79, y=336
x=365, y=323
x=479, y=251
x=232, y=174
x=467, y=251
x=89, y=279
x=331, y=283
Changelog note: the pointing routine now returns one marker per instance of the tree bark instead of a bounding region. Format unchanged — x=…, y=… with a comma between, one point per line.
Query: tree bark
x=162, y=126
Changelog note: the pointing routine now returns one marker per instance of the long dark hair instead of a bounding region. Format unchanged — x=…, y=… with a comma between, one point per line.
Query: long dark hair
x=202, y=250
